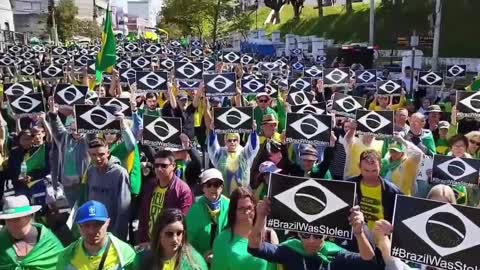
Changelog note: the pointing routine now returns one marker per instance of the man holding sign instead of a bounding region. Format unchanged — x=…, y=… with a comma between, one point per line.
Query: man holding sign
x=311, y=251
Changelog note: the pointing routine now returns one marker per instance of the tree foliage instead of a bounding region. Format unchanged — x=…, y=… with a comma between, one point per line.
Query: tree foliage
x=203, y=18
x=65, y=13
x=87, y=28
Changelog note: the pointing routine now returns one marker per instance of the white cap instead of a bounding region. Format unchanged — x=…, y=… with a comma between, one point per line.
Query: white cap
x=210, y=174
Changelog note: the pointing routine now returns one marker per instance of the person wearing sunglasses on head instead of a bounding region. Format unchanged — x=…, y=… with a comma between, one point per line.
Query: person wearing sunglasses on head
x=233, y=160
x=163, y=191
x=169, y=247
x=208, y=216
x=312, y=252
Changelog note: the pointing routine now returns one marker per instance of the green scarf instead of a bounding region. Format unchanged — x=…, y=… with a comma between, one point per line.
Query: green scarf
x=199, y=220
x=42, y=257
x=389, y=166
x=36, y=161
x=327, y=254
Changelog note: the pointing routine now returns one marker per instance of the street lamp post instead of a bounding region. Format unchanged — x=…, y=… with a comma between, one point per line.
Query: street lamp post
x=414, y=40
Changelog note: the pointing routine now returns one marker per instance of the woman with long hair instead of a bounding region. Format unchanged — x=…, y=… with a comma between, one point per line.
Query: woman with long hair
x=169, y=249
x=230, y=246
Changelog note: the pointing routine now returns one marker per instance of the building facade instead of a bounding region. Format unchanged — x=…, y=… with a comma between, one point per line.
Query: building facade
x=30, y=16
x=6, y=16
x=146, y=9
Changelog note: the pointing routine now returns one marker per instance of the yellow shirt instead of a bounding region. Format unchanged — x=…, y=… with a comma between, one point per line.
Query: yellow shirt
x=277, y=137
x=354, y=152
x=156, y=204
x=198, y=115
x=169, y=265
x=374, y=107
x=405, y=175
x=82, y=261
x=371, y=204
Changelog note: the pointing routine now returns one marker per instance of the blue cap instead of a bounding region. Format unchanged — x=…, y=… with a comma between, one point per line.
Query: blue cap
x=91, y=211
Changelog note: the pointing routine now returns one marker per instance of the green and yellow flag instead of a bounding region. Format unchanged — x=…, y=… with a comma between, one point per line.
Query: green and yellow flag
x=474, y=86
x=106, y=58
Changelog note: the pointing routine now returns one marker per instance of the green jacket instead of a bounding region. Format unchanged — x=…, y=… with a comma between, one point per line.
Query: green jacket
x=126, y=254
x=42, y=257
x=199, y=223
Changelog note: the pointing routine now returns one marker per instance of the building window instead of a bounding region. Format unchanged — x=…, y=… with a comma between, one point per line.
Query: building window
x=7, y=26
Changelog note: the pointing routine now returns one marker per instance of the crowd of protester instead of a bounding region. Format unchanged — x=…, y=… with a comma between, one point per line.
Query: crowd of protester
x=204, y=205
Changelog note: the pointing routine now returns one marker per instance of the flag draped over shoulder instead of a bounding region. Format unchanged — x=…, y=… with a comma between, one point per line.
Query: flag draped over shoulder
x=106, y=58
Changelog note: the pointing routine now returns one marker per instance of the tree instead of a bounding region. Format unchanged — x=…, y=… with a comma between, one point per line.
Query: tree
x=87, y=28
x=275, y=5
x=320, y=8
x=348, y=6
x=65, y=13
x=297, y=8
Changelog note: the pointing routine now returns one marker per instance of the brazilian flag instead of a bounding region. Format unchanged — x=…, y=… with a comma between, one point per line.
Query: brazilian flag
x=474, y=86
x=107, y=57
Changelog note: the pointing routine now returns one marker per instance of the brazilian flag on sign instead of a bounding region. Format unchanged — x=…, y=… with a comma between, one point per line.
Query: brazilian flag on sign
x=106, y=58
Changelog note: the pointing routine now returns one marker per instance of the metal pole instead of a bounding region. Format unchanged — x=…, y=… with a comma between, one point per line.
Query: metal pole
x=412, y=76
x=256, y=15
x=436, y=34
x=372, y=22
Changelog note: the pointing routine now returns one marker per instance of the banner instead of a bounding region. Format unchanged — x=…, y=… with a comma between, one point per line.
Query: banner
x=436, y=234
x=221, y=84
x=162, y=131
x=451, y=170
x=94, y=119
x=122, y=104
x=154, y=81
x=430, y=79
x=336, y=77
x=26, y=105
x=468, y=104
x=308, y=129
x=233, y=120
x=378, y=124
x=311, y=206
x=389, y=88
x=69, y=94
x=188, y=71
x=345, y=105
x=314, y=108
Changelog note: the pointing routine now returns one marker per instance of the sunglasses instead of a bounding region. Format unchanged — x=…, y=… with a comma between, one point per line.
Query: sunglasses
x=162, y=165
x=215, y=184
x=474, y=142
x=172, y=234
x=232, y=140
x=245, y=209
x=307, y=236
x=263, y=100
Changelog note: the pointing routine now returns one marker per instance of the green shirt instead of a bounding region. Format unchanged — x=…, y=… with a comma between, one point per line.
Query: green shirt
x=231, y=254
